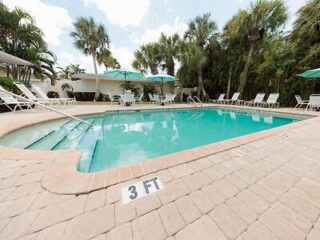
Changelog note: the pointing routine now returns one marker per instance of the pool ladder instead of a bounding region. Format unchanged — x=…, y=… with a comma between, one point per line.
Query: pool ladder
x=195, y=100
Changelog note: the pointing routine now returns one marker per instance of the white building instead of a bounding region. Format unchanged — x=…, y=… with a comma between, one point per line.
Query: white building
x=85, y=82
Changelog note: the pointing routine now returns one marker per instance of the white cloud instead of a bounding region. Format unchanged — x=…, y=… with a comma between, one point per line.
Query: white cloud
x=293, y=7
x=122, y=12
x=123, y=55
x=153, y=35
x=52, y=20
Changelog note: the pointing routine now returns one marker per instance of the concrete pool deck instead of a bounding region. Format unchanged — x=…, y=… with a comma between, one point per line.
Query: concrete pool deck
x=271, y=192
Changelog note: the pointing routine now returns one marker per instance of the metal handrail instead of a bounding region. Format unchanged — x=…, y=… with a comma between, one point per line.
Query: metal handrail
x=198, y=99
x=195, y=103
x=44, y=106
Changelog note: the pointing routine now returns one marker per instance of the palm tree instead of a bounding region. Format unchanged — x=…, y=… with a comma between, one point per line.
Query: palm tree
x=75, y=69
x=64, y=72
x=169, y=49
x=253, y=25
x=106, y=58
x=147, y=57
x=200, y=31
x=91, y=38
x=307, y=25
x=20, y=37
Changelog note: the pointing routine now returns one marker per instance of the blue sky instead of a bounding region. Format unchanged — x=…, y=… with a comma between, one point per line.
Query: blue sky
x=129, y=23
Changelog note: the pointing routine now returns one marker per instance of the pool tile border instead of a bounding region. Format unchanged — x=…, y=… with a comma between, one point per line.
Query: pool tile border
x=64, y=178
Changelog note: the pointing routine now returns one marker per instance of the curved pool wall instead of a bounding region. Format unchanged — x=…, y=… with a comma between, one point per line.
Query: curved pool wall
x=121, y=138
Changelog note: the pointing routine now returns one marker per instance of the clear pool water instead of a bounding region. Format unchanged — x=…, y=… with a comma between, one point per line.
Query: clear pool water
x=118, y=139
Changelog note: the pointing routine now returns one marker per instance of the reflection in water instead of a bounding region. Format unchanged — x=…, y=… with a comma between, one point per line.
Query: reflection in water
x=132, y=137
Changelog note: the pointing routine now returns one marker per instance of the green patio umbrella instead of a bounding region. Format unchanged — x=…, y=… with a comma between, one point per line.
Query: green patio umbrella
x=162, y=78
x=315, y=73
x=124, y=74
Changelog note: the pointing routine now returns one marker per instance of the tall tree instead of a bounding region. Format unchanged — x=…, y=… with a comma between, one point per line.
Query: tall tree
x=147, y=57
x=169, y=48
x=254, y=24
x=200, y=31
x=91, y=38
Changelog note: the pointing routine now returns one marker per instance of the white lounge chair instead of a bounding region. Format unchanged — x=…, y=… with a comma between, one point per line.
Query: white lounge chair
x=257, y=101
x=65, y=101
x=139, y=99
x=154, y=98
x=169, y=98
x=234, y=98
x=8, y=100
x=314, y=102
x=300, y=102
x=272, y=100
x=127, y=99
x=28, y=94
x=219, y=100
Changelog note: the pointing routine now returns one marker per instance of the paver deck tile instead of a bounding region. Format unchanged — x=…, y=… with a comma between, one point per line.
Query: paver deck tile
x=301, y=222
x=124, y=212
x=90, y=224
x=52, y=233
x=203, y=203
x=171, y=219
x=228, y=221
x=258, y=231
x=253, y=201
x=147, y=204
x=46, y=198
x=196, y=180
x=58, y=212
x=281, y=227
x=314, y=234
x=18, y=206
x=148, y=226
x=19, y=225
x=213, y=194
x=95, y=200
x=187, y=209
x=172, y=191
x=242, y=209
x=203, y=228
x=121, y=232
x=300, y=206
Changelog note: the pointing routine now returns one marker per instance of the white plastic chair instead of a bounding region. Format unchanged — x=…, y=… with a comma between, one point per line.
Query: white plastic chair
x=234, y=98
x=257, y=101
x=300, y=102
x=314, y=102
x=219, y=100
x=272, y=100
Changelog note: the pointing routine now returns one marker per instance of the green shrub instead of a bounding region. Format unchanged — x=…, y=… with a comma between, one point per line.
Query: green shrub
x=53, y=94
x=8, y=84
x=89, y=96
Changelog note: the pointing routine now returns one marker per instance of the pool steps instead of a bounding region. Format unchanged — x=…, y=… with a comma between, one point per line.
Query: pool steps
x=81, y=136
x=46, y=142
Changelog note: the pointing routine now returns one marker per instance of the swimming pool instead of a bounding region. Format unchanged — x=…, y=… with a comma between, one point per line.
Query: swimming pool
x=121, y=138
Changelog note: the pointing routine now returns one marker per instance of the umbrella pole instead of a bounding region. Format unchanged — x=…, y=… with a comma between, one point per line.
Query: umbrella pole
x=162, y=87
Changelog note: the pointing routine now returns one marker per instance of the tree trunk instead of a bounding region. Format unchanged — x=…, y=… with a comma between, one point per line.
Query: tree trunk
x=229, y=81
x=200, y=84
x=96, y=96
x=244, y=73
x=154, y=70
